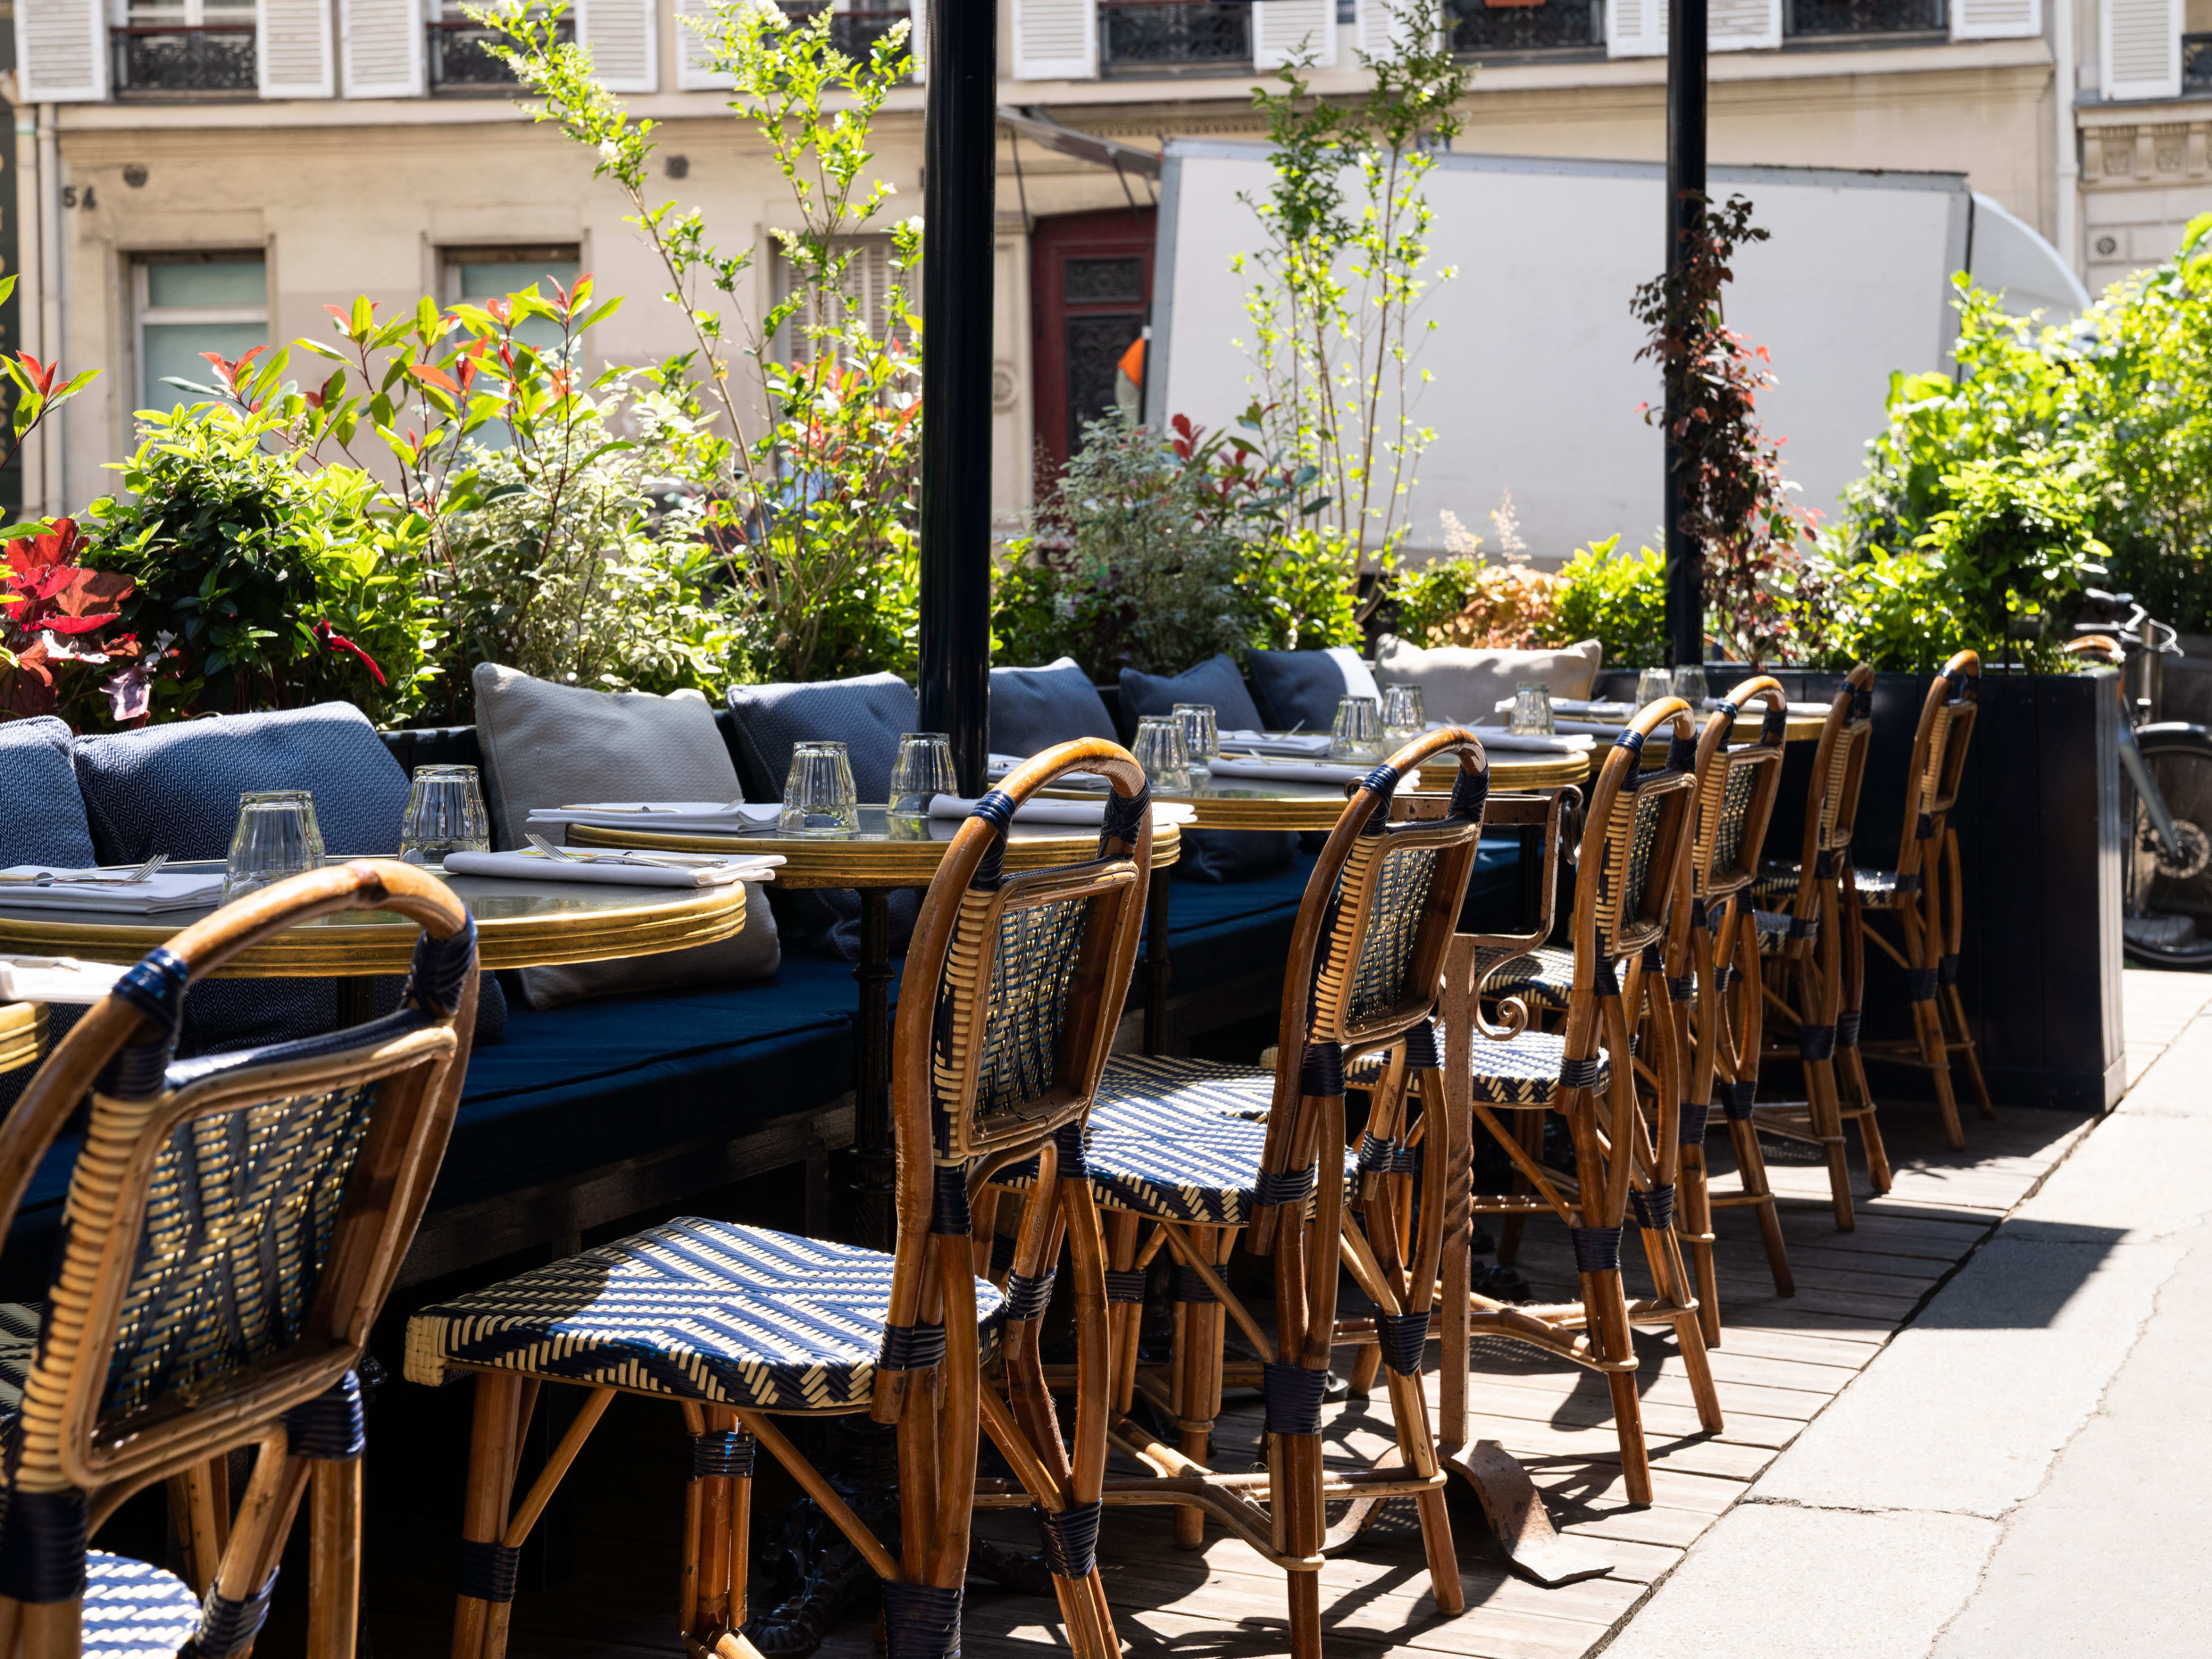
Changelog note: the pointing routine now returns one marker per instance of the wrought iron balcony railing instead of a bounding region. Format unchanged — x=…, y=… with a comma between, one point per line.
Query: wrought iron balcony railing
x=1814, y=20
x=159, y=59
x=1478, y=28
x=856, y=33
x=2196, y=63
x=1168, y=37
x=460, y=59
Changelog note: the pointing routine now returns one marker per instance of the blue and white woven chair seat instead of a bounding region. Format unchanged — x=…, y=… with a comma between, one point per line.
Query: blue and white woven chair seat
x=1524, y=1071
x=1542, y=977
x=1238, y=1092
x=1773, y=929
x=134, y=1611
x=1877, y=888
x=19, y=1341
x=706, y=1310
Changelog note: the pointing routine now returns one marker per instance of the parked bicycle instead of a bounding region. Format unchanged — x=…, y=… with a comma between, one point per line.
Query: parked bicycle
x=2165, y=784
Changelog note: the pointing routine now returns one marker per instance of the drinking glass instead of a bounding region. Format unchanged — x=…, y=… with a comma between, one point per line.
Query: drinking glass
x=1163, y=753
x=1689, y=684
x=923, y=769
x=276, y=836
x=1202, y=734
x=1651, y=685
x=1403, y=717
x=1531, y=712
x=445, y=814
x=818, y=797
x=1358, y=733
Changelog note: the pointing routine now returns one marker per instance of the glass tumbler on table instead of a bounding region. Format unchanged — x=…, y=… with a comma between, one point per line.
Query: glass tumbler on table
x=1358, y=733
x=1651, y=685
x=922, y=768
x=1404, y=718
x=276, y=836
x=445, y=814
x=1689, y=684
x=1531, y=712
x=1160, y=749
x=1202, y=734
x=818, y=796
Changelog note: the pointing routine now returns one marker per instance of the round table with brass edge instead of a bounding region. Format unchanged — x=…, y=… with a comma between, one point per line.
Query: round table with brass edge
x=22, y=1033
x=883, y=855
x=519, y=924
x=1249, y=803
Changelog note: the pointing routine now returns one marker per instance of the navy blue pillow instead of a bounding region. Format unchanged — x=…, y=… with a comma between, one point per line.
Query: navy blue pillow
x=174, y=789
x=866, y=715
x=1300, y=689
x=1033, y=708
x=45, y=821
x=1216, y=681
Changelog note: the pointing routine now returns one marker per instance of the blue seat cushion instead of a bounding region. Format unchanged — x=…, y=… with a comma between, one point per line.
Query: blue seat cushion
x=1216, y=681
x=44, y=822
x=174, y=789
x=867, y=714
x=1033, y=708
x=1301, y=689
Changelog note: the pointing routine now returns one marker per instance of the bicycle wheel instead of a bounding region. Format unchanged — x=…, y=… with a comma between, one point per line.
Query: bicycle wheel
x=2167, y=918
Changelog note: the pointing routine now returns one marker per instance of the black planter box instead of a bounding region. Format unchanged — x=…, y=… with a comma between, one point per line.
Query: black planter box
x=2040, y=845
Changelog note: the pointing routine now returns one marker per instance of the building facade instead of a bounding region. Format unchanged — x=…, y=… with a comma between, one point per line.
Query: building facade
x=196, y=175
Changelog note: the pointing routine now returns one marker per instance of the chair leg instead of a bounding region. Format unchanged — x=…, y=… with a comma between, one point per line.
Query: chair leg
x=334, y=1561
x=1950, y=1002
x=1200, y=1329
x=483, y=1518
x=1751, y=1162
x=1697, y=1218
x=1928, y=1028
x=1828, y=1125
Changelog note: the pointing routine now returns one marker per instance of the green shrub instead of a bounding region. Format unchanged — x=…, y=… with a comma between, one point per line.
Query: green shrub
x=1617, y=599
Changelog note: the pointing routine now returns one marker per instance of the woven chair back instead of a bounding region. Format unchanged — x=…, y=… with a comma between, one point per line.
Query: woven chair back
x=1939, y=748
x=1839, y=770
x=1634, y=839
x=234, y=1222
x=1736, y=790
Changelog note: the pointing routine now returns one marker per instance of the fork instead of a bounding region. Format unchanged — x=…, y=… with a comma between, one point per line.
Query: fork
x=49, y=878
x=562, y=855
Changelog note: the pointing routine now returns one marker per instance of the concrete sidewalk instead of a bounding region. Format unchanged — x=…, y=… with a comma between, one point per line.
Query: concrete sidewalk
x=2025, y=1468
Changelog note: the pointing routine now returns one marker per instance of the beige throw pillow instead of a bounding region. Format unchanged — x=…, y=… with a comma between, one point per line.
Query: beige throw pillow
x=552, y=746
x=1465, y=683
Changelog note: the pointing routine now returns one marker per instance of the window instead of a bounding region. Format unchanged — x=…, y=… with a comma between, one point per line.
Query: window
x=477, y=274
x=868, y=278
x=165, y=47
x=188, y=303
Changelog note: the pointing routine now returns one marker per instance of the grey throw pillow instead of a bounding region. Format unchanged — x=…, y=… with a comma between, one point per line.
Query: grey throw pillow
x=553, y=745
x=1217, y=680
x=1465, y=683
x=45, y=821
x=1299, y=691
x=1033, y=708
x=174, y=789
x=867, y=714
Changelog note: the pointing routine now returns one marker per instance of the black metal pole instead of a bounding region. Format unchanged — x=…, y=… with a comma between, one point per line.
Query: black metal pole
x=1685, y=190
x=960, y=153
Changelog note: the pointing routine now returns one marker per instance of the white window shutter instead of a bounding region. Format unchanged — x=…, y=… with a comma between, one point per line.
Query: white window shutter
x=1995, y=19
x=1635, y=28
x=695, y=71
x=2141, y=48
x=917, y=36
x=383, y=48
x=61, y=51
x=624, y=40
x=1379, y=31
x=1055, y=40
x=293, y=48
x=1281, y=29
x=1739, y=25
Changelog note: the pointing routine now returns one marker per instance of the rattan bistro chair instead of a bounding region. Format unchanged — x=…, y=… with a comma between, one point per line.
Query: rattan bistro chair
x=1014, y=985
x=232, y=1227
x=1631, y=873
x=1712, y=950
x=1811, y=944
x=1200, y=1152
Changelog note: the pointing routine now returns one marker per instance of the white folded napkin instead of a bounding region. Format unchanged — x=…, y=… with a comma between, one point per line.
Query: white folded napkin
x=698, y=870
x=679, y=818
x=1305, y=746
x=56, y=979
x=1079, y=814
x=1000, y=765
x=1562, y=742
x=1289, y=771
x=165, y=889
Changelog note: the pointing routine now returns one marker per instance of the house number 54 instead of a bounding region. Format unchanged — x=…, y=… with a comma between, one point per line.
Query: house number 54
x=72, y=196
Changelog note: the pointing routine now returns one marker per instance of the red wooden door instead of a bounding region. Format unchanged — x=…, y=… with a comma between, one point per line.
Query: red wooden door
x=1090, y=292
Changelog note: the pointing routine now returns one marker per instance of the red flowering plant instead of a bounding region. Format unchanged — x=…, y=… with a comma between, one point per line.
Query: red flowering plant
x=56, y=649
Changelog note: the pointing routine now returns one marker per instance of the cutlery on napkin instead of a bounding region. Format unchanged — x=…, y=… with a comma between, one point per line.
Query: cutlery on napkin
x=1078, y=814
x=680, y=817
x=56, y=979
x=165, y=889
x=590, y=864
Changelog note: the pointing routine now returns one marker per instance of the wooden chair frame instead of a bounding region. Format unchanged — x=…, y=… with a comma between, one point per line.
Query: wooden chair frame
x=1822, y=956
x=1929, y=909
x=1593, y=1331
x=1713, y=943
x=945, y=1154
x=1301, y=1220
x=78, y=1457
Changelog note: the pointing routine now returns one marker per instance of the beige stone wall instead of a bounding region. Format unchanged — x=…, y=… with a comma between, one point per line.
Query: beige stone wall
x=2146, y=172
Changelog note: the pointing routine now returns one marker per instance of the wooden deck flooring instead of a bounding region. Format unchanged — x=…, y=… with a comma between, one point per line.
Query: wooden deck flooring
x=1781, y=1360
